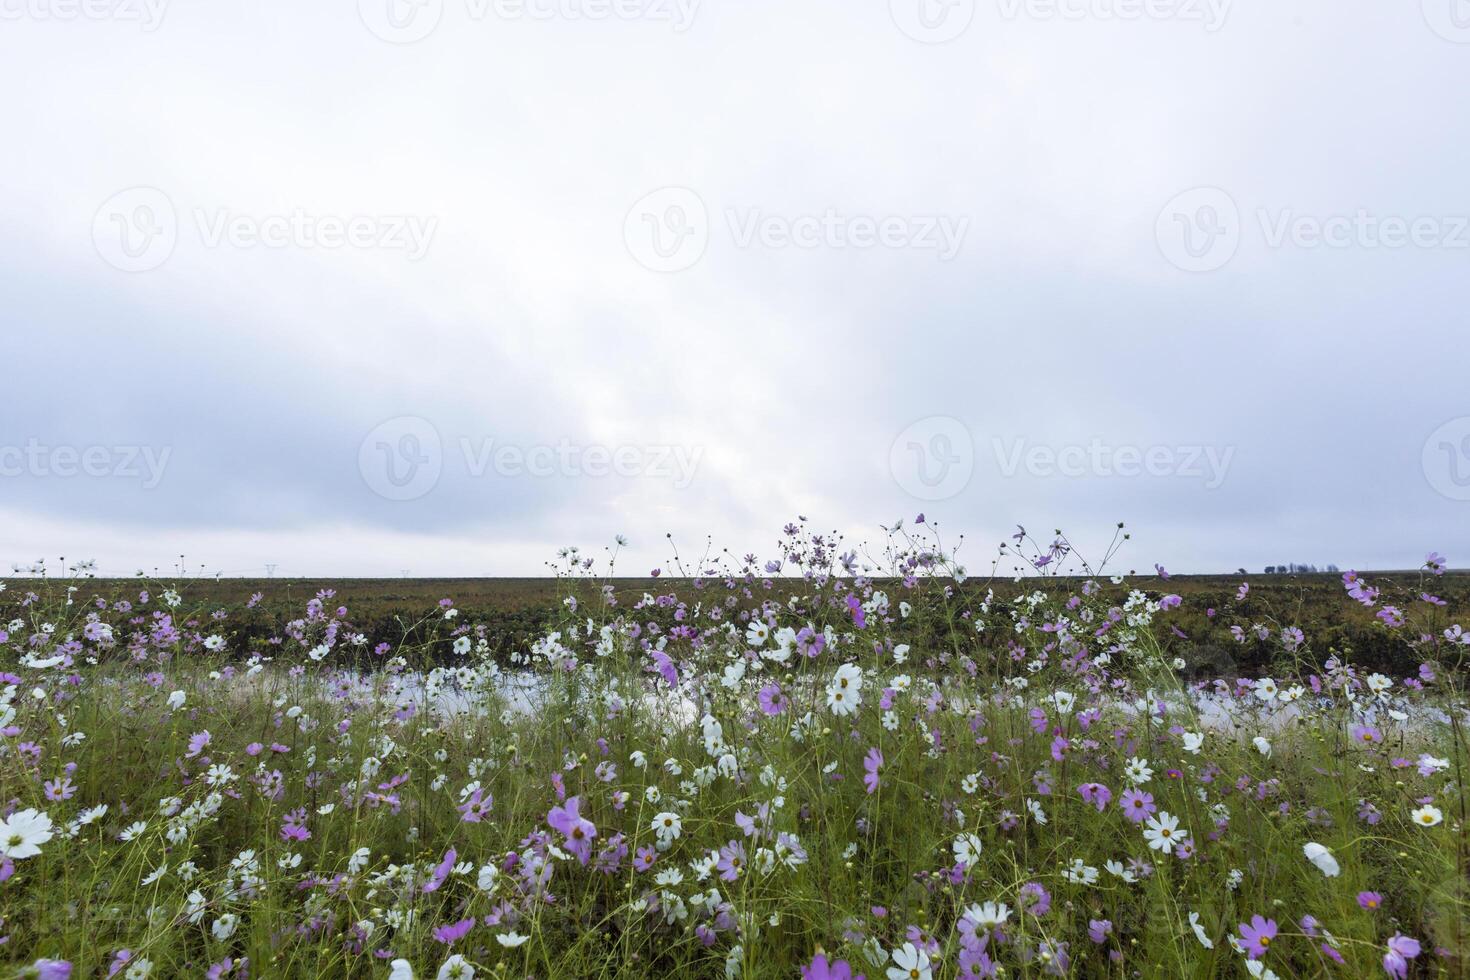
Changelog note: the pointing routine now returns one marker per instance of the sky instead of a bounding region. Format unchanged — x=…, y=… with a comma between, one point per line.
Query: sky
x=437, y=287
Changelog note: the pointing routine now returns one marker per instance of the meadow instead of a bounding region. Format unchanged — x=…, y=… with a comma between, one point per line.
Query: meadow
x=827, y=764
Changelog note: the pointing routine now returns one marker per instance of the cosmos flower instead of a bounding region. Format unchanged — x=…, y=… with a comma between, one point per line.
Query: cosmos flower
x=871, y=764
x=1401, y=949
x=23, y=833
x=1256, y=935
x=578, y=831
x=1322, y=858
x=909, y=963
x=1427, y=816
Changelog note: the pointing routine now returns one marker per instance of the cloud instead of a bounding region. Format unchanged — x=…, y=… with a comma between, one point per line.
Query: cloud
x=331, y=235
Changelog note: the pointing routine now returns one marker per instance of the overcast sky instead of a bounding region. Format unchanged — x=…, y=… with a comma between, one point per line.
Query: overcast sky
x=358, y=288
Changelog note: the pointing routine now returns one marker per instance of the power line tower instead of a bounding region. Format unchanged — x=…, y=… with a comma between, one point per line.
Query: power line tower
x=270, y=570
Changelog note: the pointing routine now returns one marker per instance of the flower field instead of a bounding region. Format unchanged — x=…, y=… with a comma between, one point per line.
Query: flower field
x=823, y=765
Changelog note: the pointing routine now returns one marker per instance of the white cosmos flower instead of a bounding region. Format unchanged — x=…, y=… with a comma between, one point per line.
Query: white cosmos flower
x=1193, y=741
x=1322, y=858
x=22, y=835
x=1427, y=816
x=1199, y=931
x=988, y=914
x=967, y=848
x=1266, y=689
x=1262, y=746
x=667, y=826
x=176, y=700
x=912, y=964
x=757, y=633
x=224, y=927
x=1162, y=832
x=402, y=970
x=457, y=968
x=510, y=940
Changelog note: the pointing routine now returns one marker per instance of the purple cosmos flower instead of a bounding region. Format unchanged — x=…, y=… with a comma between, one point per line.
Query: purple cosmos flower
x=451, y=934
x=441, y=872
x=578, y=830
x=1369, y=900
x=773, y=700
x=1096, y=794
x=1138, y=805
x=820, y=969
x=732, y=860
x=477, y=807
x=1257, y=935
x=1401, y=949
x=872, y=764
x=1034, y=898
x=1098, y=930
